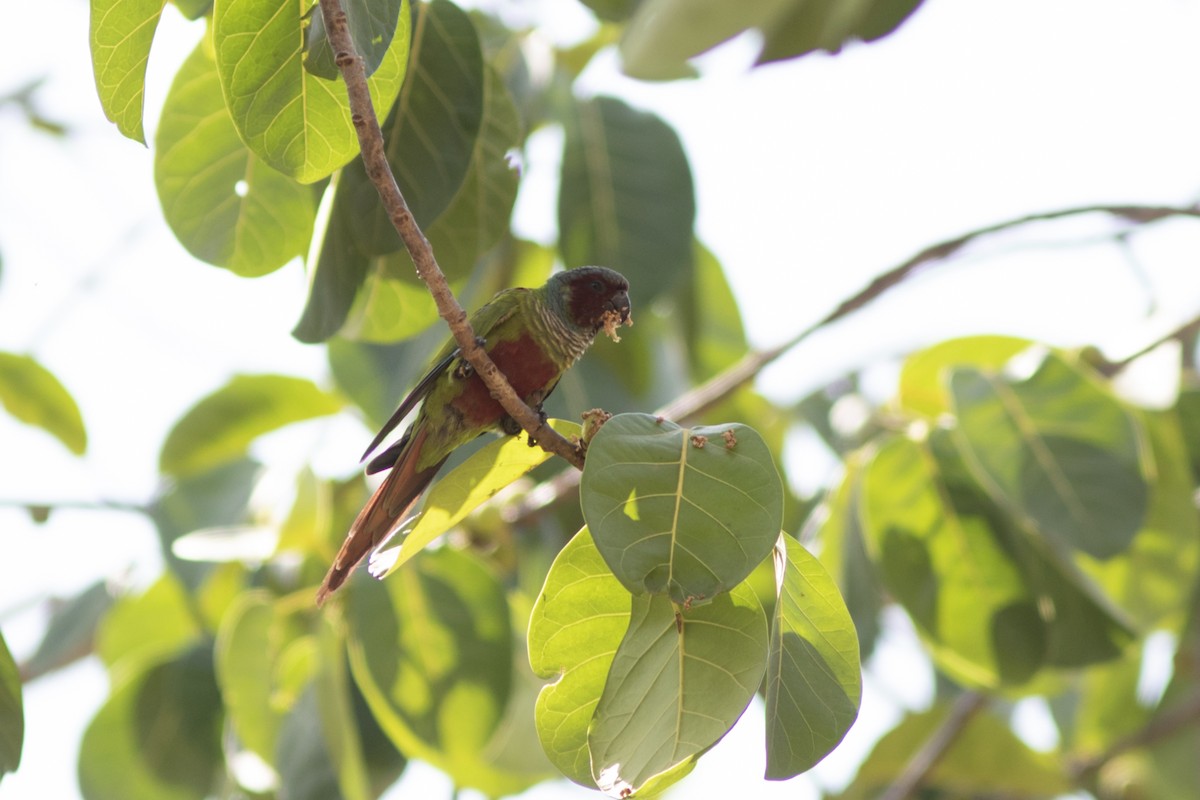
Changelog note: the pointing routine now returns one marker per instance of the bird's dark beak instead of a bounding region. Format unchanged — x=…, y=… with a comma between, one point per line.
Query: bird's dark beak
x=620, y=304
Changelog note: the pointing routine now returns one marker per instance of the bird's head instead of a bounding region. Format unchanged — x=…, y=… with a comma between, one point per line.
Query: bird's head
x=594, y=296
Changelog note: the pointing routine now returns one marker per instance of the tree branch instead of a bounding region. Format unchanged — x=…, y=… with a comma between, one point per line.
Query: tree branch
x=370, y=139
x=964, y=709
x=1163, y=726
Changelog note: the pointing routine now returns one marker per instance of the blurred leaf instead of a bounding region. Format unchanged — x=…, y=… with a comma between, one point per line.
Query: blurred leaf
x=814, y=682
x=220, y=427
x=985, y=758
x=34, y=396
x=276, y=104
x=478, y=214
x=71, y=632
x=574, y=631
x=431, y=650
x=309, y=519
x=222, y=202
x=808, y=25
x=456, y=494
x=938, y=556
x=626, y=198
x=679, y=681
x=120, y=38
x=1057, y=450
x=303, y=763
x=146, y=629
x=210, y=499
x=193, y=9
x=685, y=511
x=12, y=713
x=158, y=736
x=371, y=24
x=712, y=322
x=1188, y=408
x=388, y=309
x=612, y=10
x=1148, y=580
x=1108, y=708
x=430, y=134
x=925, y=377
x=843, y=554
x=376, y=376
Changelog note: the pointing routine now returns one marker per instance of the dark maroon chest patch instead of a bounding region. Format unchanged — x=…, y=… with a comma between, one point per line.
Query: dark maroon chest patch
x=528, y=369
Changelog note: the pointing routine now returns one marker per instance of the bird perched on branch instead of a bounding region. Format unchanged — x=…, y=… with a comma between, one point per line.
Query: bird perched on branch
x=533, y=336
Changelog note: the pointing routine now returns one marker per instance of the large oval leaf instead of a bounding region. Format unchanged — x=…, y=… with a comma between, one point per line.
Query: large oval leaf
x=221, y=426
x=1057, y=450
x=814, y=682
x=678, y=682
x=32, y=394
x=686, y=511
x=224, y=204
x=120, y=37
x=431, y=650
x=456, y=494
x=574, y=632
x=295, y=121
x=12, y=714
x=626, y=197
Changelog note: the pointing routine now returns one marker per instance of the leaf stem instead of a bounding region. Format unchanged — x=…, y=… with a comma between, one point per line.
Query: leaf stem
x=964, y=709
x=370, y=138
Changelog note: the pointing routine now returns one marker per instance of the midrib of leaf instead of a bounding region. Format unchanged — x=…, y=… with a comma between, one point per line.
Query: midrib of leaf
x=675, y=515
x=595, y=154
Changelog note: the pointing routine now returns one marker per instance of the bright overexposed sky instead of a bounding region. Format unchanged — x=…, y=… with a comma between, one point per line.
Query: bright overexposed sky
x=812, y=176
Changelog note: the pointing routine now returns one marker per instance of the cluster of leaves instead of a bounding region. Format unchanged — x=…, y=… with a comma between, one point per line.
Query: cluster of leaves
x=1036, y=529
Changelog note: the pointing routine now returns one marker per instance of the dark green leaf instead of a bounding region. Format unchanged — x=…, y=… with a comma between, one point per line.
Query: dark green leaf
x=679, y=680
x=72, y=629
x=193, y=9
x=808, y=25
x=1055, y=449
x=221, y=426
x=685, y=511
x=576, y=626
x=121, y=34
x=158, y=736
x=813, y=679
x=626, y=198
x=277, y=105
x=222, y=202
x=12, y=713
x=371, y=23
x=305, y=770
x=340, y=269
x=430, y=133
x=612, y=10
x=34, y=396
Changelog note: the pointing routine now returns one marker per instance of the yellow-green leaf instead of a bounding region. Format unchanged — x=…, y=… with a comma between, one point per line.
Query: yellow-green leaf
x=32, y=394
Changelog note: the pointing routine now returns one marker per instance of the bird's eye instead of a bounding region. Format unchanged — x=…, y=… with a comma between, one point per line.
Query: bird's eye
x=597, y=286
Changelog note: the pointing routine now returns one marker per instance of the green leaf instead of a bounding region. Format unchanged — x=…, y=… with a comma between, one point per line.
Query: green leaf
x=806, y=25
x=305, y=769
x=221, y=426
x=456, y=494
x=388, y=309
x=985, y=758
x=120, y=38
x=72, y=629
x=612, y=10
x=431, y=650
x=224, y=204
x=679, y=680
x=295, y=121
x=939, y=557
x=712, y=323
x=686, y=511
x=371, y=24
x=158, y=736
x=431, y=132
x=1057, y=450
x=193, y=9
x=814, y=682
x=340, y=269
x=925, y=377
x=12, y=713
x=577, y=624
x=626, y=197
x=34, y=396
x=146, y=629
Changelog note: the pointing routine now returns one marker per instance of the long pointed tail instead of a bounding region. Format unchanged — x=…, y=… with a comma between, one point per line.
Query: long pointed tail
x=386, y=509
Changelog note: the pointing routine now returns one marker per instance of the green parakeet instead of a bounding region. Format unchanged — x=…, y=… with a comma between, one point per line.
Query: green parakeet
x=533, y=336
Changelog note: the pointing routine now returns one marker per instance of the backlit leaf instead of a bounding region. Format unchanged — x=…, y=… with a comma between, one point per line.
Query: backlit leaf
x=120, y=38
x=32, y=394
x=684, y=511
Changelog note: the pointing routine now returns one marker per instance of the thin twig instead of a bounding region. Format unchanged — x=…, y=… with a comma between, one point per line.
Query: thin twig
x=1161, y=727
x=370, y=139
x=964, y=709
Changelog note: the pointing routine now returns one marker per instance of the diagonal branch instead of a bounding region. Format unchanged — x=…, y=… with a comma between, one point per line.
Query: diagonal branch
x=370, y=139
x=922, y=763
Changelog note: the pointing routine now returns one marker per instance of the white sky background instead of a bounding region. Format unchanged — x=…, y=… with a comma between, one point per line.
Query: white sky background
x=811, y=177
